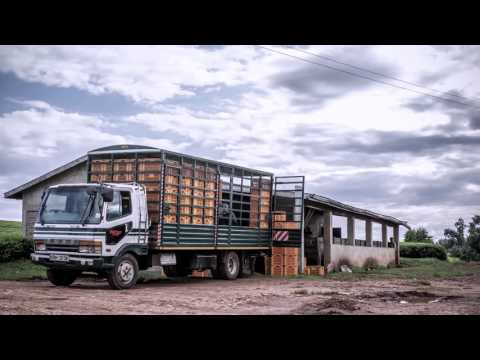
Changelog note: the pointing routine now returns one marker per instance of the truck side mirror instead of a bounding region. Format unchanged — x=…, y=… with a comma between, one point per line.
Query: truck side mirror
x=107, y=194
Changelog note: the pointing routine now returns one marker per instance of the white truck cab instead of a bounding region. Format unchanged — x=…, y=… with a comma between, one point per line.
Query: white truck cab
x=92, y=227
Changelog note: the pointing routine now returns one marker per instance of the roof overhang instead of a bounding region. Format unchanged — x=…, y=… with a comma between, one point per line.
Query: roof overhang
x=17, y=192
x=342, y=208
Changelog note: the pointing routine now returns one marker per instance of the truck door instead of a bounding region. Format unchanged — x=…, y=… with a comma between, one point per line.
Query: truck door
x=288, y=213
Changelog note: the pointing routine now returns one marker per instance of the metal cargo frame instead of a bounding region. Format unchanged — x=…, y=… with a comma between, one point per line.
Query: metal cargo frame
x=226, y=232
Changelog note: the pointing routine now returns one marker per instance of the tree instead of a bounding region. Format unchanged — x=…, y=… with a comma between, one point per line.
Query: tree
x=418, y=235
x=454, y=238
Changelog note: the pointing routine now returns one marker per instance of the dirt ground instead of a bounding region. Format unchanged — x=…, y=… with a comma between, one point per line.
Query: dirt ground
x=257, y=295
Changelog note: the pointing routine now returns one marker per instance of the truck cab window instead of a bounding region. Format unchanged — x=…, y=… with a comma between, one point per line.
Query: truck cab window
x=120, y=206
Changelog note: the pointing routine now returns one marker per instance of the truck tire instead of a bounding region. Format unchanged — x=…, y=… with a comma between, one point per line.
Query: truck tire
x=124, y=274
x=247, y=267
x=61, y=277
x=229, y=265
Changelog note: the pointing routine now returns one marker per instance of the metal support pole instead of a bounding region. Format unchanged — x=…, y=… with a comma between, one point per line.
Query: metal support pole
x=368, y=232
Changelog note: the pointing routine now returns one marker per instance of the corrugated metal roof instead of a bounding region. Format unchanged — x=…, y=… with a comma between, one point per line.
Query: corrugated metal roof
x=352, y=209
x=16, y=193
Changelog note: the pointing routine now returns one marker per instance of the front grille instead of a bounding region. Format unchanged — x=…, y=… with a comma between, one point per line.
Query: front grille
x=62, y=245
x=56, y=247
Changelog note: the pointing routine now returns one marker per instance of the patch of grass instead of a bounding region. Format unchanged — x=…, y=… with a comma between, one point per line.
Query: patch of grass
x=411, y=268
x=22, y=269
x=10, y=228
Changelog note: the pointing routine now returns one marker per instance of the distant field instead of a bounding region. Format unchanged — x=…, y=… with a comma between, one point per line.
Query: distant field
x=10, y=228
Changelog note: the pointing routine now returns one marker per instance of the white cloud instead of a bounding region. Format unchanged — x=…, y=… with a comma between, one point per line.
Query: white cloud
x=258, y=130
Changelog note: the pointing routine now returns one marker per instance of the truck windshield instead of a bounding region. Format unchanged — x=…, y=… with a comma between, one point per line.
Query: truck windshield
x=70, y=205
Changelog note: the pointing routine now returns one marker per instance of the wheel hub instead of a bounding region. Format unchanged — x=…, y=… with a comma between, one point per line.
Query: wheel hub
x=125, y=271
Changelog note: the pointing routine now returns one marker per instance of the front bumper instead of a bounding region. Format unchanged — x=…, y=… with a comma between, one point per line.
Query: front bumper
x=74, y=262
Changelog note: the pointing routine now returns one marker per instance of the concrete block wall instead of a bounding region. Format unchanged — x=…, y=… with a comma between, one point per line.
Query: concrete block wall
x=358, y=254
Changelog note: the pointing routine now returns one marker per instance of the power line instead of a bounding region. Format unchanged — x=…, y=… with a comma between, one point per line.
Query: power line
x=366, y=77
x=377, y=73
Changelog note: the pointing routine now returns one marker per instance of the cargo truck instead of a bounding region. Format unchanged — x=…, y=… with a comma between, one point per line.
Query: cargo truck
x=141, y=207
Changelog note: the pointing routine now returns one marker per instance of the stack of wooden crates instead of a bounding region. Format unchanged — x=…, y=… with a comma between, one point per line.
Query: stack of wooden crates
x=193, y=189
x=283, y=262
x=260, y=202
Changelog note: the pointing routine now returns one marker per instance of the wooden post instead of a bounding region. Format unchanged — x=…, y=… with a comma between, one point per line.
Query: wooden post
x=368, y=232
x=327, y=236
x=384, y=235
x=396, y=240
x=351, y=230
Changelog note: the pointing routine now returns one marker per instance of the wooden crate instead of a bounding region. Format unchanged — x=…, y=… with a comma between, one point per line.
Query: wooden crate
x=124, y=165
x=153, y=196
x=149, y=177
x=169, y=219
x=290, y=260
x=154, y=216
x=172, y=209
x=277, y=250
x=210, y=185
x=197, y=202
x=294, y=251
x=152, y=206
x=187, y=182
x=263, y=225
x=209, y=194
x=277, y=270
x=316, y=270
x=209, y=203
x=291, y=225
x=147, y=165
x=169, y=198
x=185, y=200
x=265, y=194
x=290, y=270
x=185, y=219
x=209, y=212
x=264, y=209
x=152, y=187
x=277, y=259
x=123, y=177
x=186, y=191
x=171, y=189
x=187, y=210
x=100, y=177
x=197, y=220
x=101, y=166
x=209, y=220
x=199, y=184
x=279, y=215
x=172, y=180
x=197, y=211
x=201, y=274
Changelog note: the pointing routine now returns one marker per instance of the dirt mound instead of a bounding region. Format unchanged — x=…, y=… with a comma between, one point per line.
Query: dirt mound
x=332, y=305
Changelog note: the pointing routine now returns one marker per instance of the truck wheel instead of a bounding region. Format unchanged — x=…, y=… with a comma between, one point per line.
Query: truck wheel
x=229, y=265
x=60, y=277
x=248, y=267
x=124, y=274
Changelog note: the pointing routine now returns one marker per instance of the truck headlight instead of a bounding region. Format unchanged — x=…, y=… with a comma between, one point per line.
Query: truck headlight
x=91, y=247
x=40, y=245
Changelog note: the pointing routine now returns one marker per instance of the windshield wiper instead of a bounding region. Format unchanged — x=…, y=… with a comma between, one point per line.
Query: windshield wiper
x=89, y=207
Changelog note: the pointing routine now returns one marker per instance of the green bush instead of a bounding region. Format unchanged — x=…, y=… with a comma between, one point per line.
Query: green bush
x=14, y=246
x=469, y=254
x=422, y=250
x=370, y=264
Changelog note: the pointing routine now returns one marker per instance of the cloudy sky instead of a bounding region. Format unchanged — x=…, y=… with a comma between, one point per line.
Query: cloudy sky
x=393, y=151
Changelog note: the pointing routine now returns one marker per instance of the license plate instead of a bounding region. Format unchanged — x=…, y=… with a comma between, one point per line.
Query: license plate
x=62, y=258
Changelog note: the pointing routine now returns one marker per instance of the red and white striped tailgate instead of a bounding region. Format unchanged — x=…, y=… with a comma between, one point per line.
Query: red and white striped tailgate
x=280, y=235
